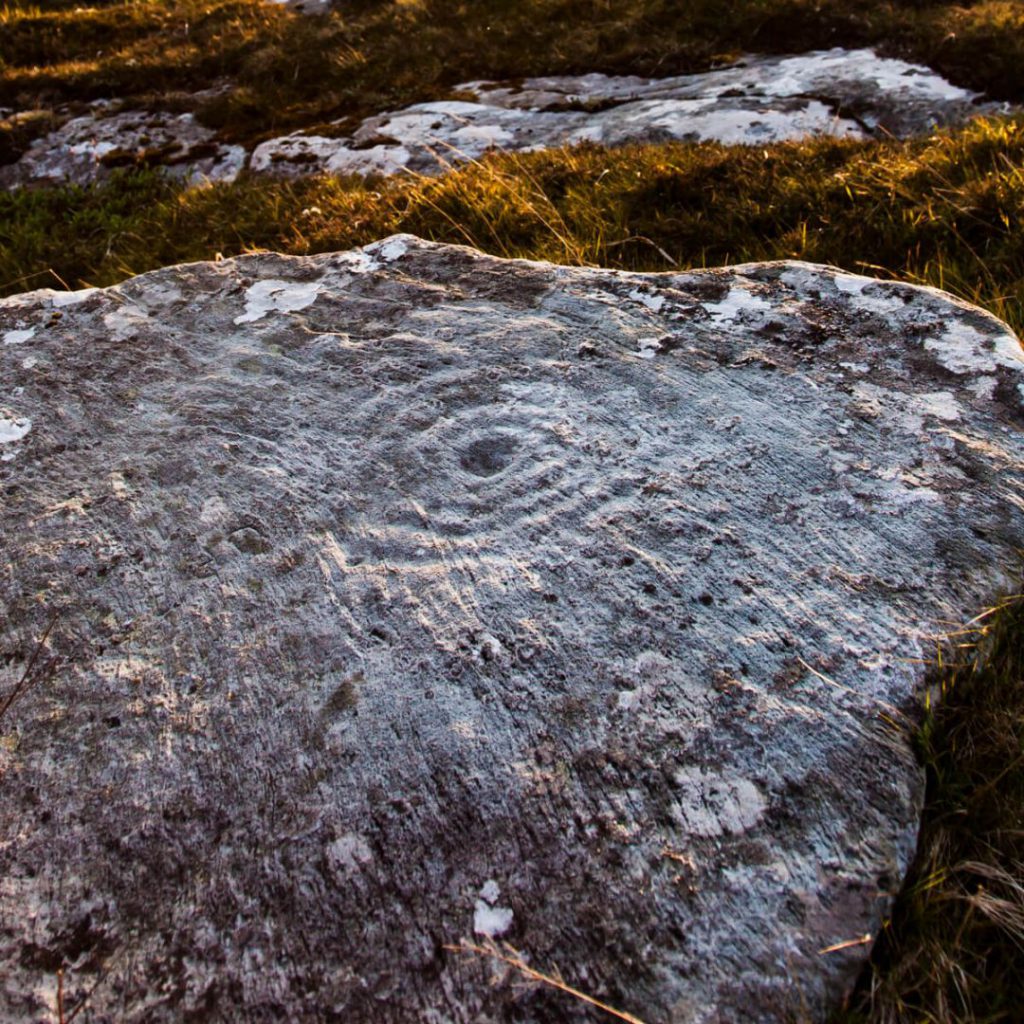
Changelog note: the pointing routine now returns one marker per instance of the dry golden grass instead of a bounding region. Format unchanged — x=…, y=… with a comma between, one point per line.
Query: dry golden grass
x=943, y=211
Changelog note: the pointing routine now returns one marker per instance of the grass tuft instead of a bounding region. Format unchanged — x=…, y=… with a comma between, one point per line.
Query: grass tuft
x=954, y=947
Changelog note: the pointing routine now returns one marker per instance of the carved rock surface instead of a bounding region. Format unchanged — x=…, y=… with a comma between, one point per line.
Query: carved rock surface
x=846, y=93
x=407, y=595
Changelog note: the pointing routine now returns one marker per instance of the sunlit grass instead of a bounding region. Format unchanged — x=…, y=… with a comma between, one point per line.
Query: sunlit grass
x=944, y=211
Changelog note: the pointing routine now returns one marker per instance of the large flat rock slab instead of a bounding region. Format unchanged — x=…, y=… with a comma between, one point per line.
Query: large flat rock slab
x=841, y=93
x=403, y=596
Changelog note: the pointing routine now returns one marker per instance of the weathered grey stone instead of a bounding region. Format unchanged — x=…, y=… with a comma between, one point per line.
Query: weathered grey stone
x=407, y=595
x=305, y=6
x=87, y=148
x=846, y=93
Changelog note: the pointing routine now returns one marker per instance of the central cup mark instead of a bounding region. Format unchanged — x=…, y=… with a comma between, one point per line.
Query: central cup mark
x=488, y=456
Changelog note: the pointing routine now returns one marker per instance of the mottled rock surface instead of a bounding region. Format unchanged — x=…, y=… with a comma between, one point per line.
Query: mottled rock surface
x=88, y=148
x=845, y=93
x=305, y=6
x=407, y=595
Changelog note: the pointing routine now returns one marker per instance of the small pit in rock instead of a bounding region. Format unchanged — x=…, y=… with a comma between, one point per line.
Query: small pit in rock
x=488, y=456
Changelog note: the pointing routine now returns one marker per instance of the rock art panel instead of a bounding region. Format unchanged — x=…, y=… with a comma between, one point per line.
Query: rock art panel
x=407, y=595
x=851, y=94
x=87, y=148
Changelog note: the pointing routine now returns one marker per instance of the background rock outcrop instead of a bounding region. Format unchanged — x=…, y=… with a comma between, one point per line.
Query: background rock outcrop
x=406, y=595
x=89, y=147
x=842, y=93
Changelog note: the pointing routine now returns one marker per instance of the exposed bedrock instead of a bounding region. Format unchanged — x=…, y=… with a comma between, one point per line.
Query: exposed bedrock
x=844, y=93
x=407, y=595
x=89, y=147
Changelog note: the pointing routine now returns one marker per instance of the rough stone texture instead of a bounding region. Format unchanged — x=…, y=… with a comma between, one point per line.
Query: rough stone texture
x=407, y=595
x=88, y=148
x=761, y=99
x=305, y=6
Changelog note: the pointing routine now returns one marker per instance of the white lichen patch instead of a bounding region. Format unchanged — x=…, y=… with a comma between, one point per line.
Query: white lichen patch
x=277, y=297
x=125, y=321
x=983, y=387
x=755, y=101
x=13, y=428
x=348, y=853
x=963, y=349
x=652, y=301
x=214, y=511
x=873, y=402
x=870, y=295
x=119, y=485
x=647, y=348
x=490, y=920
x=739, y=304
x=19, y=336
x=390, y=250
x=941, y=404
x=60, y=300
x=360, y=261
x=52, y=298
x=712, y=805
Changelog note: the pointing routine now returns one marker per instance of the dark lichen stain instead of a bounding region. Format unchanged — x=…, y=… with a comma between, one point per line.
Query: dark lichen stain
x=344, y=698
